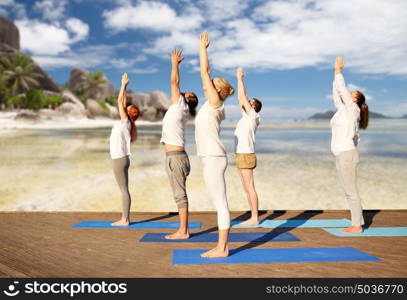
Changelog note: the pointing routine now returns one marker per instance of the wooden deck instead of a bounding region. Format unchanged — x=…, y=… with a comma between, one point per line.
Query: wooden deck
x=36, y=244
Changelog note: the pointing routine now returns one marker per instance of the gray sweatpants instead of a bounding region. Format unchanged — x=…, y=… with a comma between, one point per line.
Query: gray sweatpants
x=346, y=164
x=178, y=168
x=121, y=173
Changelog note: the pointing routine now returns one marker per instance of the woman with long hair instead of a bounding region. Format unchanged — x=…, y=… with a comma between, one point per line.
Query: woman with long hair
x=210, y=148
x=123, y=133
x=173, y=138
x=245, y=135
x=352, y=114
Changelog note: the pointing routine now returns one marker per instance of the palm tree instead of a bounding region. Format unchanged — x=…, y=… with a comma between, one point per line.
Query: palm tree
x=93, y=82
x=19, y=74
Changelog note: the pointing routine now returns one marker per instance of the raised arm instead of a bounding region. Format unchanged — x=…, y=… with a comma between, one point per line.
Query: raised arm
x=337, y=99
x=340, y=82
x=211, y=94
x=340, y=86
x=122, y=100
x=241, y=94
x=176, y=59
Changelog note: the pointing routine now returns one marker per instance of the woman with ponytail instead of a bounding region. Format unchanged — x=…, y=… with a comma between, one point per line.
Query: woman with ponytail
x=173, y=138
x=210, y=148
x=352, y=114
x=123, y=132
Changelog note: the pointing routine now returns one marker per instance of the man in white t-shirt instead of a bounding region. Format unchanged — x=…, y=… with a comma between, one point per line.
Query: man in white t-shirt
x=245, y=135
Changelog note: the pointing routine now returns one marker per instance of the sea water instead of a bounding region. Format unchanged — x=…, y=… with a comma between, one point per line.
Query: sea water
x=70, y=169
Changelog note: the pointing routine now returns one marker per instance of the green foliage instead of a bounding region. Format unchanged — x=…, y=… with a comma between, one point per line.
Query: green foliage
x=14, y=101
x=103, y=105
x=18, y=73
x=89, y=88
x=35, y=99
x=112, y=100
x=53, y=101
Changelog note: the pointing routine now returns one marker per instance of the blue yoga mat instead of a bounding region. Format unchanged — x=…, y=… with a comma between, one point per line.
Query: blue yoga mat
x=233, y=237
x=276, y=255
x=371, y=231
x=296, y=223
x=136, y=225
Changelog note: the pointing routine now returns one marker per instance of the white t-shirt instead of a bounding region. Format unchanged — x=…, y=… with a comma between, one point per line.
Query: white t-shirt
x=207, y=129
x=173, y=132
x=345, y=122
x=245, y=133
x=120, y=139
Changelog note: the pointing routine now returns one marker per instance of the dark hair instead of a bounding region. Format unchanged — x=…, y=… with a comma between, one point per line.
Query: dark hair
x=364, y=110
x=257, y=104
x=192, y=102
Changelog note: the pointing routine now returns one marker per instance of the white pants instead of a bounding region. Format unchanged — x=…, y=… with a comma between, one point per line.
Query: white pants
x=214, y=168
x=346, y=164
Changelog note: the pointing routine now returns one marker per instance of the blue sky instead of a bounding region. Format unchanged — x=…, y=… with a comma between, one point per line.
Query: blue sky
x=286, y=47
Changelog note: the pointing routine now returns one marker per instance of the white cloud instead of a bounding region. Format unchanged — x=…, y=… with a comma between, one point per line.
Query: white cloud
x=51, y=38
x=52, y=10
x=79, y=29
x=43, y=38
x=7, y=6
x=148, y=70
x=95, y=56
x=371, y=35
x=156, y=16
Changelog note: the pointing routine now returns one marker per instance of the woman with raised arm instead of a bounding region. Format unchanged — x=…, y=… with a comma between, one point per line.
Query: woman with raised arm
x=123, y=132
x=210, y=148
x=173, y=138
x=245, y=135
x=352, y=114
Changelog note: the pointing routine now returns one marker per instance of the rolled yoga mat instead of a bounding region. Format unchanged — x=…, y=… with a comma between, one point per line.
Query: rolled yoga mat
x=293, y=223
x=136, y=225
x=275, y=255
x=233, y=237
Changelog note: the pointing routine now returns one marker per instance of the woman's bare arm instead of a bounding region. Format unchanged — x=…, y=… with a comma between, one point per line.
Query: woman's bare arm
x=210, y=91
x=122, y=100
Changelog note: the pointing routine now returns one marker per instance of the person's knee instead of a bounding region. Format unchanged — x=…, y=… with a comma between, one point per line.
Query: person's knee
x=181, y=201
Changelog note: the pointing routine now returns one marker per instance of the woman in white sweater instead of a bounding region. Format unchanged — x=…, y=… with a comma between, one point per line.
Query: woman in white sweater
x=352, y=114
x=210, y=148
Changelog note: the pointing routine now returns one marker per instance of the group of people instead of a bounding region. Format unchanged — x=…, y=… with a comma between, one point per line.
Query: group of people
x=352, y=114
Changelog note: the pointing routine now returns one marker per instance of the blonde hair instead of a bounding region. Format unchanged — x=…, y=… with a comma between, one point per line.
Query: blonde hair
x=225, y=88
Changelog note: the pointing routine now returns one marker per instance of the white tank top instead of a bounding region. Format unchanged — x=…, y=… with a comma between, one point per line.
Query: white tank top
x=120, y=139
x=207, y=129
x=173, y=132
x=245, y=133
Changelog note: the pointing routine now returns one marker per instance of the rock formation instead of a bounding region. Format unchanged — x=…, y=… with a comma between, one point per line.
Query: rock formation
x=78, y=77
x=152, y=106
x=9, y=34
x=10, y=42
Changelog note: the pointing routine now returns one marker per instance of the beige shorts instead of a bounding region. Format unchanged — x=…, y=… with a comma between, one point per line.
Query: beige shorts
x=246, y=160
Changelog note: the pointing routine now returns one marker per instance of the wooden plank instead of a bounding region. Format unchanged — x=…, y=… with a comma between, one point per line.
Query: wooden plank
x=39, y=244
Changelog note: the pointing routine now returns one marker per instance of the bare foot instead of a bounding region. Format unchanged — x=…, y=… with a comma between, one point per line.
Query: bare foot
x=215, y=252
x=121, y=222
x=250, y=222
x=179, y=235
x=353, y=229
